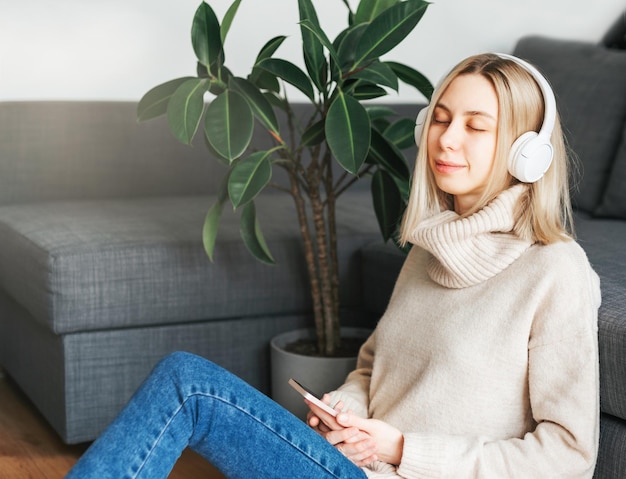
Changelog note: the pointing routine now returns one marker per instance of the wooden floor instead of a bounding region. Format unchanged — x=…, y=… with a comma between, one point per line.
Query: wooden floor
x=29, y=447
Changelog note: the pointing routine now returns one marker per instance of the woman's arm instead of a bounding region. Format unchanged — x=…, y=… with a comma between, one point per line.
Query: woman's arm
x=354, y=393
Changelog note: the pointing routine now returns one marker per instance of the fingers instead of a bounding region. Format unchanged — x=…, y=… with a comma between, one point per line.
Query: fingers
x=389, y=440
x=352, y=420
x=312, y=420
x=360, y=449
x=357, y=445
x=323, y=416
x=338, y=406
x=347, y=435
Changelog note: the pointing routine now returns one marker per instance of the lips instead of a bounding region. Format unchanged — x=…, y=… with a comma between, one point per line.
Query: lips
x=443, y=166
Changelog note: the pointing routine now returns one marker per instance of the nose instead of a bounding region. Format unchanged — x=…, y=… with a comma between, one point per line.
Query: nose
x=450, y=137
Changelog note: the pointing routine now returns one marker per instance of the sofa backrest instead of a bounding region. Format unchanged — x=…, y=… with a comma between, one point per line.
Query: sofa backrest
x=96, y=149
x=589, y=83
x=68, y=150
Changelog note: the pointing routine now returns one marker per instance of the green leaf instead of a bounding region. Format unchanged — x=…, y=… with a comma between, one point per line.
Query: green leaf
x=387, y=156
x=290, y=73
x=185, y=109
x=379, y=74
x=205, y=35
x=380, y=124
x=379, y=111
x=388, y=203
x=264, y=80
x=314, y=134
x=228, y=19
x=277, y=101
x=388, y=29
x=154, y=102
x=214, y=154
x=401, y=133
x=229, y=124
x=348, y=132
x=252, y=236
x=266, y=52
x=319, y=34
x=248, y=178
x=412, y=77
x=210, y=228
x=368, y=92
x=348, y=42
x=370, y=9
x=212, y=219
x=218, y=86
x=260, y=105
x=270, y=48
x=202, y=71
x=313, y=50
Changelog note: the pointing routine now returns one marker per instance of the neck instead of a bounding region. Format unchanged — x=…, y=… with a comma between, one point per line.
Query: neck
x=463, y=204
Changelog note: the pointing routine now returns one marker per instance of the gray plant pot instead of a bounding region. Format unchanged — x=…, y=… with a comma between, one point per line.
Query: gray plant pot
x=317, y=373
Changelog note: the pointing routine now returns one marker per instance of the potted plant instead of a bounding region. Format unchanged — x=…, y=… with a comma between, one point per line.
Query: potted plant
x=361, y=138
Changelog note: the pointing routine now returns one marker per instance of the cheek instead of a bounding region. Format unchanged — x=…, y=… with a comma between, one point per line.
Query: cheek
x=432, y=144
x=484, y=153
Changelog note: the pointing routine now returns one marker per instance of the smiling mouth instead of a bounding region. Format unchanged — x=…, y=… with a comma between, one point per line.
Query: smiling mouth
x=446, y=167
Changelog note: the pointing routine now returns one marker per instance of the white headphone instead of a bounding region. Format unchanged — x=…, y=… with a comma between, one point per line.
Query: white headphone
x=531, y=154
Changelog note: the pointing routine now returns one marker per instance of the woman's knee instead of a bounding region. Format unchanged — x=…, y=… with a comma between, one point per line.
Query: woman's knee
x=175, y=361
x=188, y=369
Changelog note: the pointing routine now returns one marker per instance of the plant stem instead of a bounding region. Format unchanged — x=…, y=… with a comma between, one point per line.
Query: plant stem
x=294, y=169
x=323, y=258
x=332, y=322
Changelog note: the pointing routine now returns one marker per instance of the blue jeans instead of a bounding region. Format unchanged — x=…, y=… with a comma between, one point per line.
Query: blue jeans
x=189, y=401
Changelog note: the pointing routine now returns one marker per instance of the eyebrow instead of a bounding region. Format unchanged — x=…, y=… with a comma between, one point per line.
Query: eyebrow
x=469, y=113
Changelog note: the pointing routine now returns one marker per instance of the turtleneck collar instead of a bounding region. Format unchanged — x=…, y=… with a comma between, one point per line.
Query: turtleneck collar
x=468, y=251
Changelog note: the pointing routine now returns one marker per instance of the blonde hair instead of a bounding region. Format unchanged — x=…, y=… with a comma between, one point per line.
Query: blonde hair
x=544, y=214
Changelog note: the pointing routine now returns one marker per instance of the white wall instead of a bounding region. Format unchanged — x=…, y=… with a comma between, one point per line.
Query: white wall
x=118, y=49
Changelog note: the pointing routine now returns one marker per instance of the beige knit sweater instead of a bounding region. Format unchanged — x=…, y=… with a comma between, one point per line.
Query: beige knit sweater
x=486, y=357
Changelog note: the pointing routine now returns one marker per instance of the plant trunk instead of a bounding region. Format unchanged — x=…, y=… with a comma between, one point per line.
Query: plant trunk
x=320, y=250
x=309, y=256
x=325, y=273
x=334, y=327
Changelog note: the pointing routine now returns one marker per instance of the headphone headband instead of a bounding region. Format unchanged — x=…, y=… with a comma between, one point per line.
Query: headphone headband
x=549, y=102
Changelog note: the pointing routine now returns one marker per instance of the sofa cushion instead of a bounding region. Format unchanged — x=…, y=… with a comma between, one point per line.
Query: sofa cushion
x=78, y=266
x=588, y=82
x=614, y=200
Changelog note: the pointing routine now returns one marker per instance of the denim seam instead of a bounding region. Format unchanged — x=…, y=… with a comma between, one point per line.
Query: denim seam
x=247, y=413
x=158, y=438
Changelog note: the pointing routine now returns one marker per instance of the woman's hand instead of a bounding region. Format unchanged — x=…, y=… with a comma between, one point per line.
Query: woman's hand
x=356, y=445
x=389, y=440
x=319, y=419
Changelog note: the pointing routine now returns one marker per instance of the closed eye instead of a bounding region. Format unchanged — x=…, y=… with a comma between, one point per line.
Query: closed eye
x=441, y=121
x=473, y=128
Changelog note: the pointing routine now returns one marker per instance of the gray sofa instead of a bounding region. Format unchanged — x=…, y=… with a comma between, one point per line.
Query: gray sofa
x=590, y=85
x=102, y=268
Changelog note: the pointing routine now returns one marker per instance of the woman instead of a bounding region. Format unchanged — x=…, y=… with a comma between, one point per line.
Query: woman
x=485, y=363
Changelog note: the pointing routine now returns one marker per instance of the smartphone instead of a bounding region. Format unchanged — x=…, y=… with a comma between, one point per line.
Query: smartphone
x=311, y=396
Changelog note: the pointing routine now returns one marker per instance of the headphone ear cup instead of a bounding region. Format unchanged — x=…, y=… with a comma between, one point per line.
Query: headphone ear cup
x=419, y=124
x=530, y=157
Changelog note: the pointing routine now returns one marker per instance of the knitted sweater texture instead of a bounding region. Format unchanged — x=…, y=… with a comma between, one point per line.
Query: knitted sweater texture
x=486, y=357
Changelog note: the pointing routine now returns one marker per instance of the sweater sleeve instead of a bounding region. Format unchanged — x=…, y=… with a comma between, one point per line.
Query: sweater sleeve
x=563, y=384
x=355, y=391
